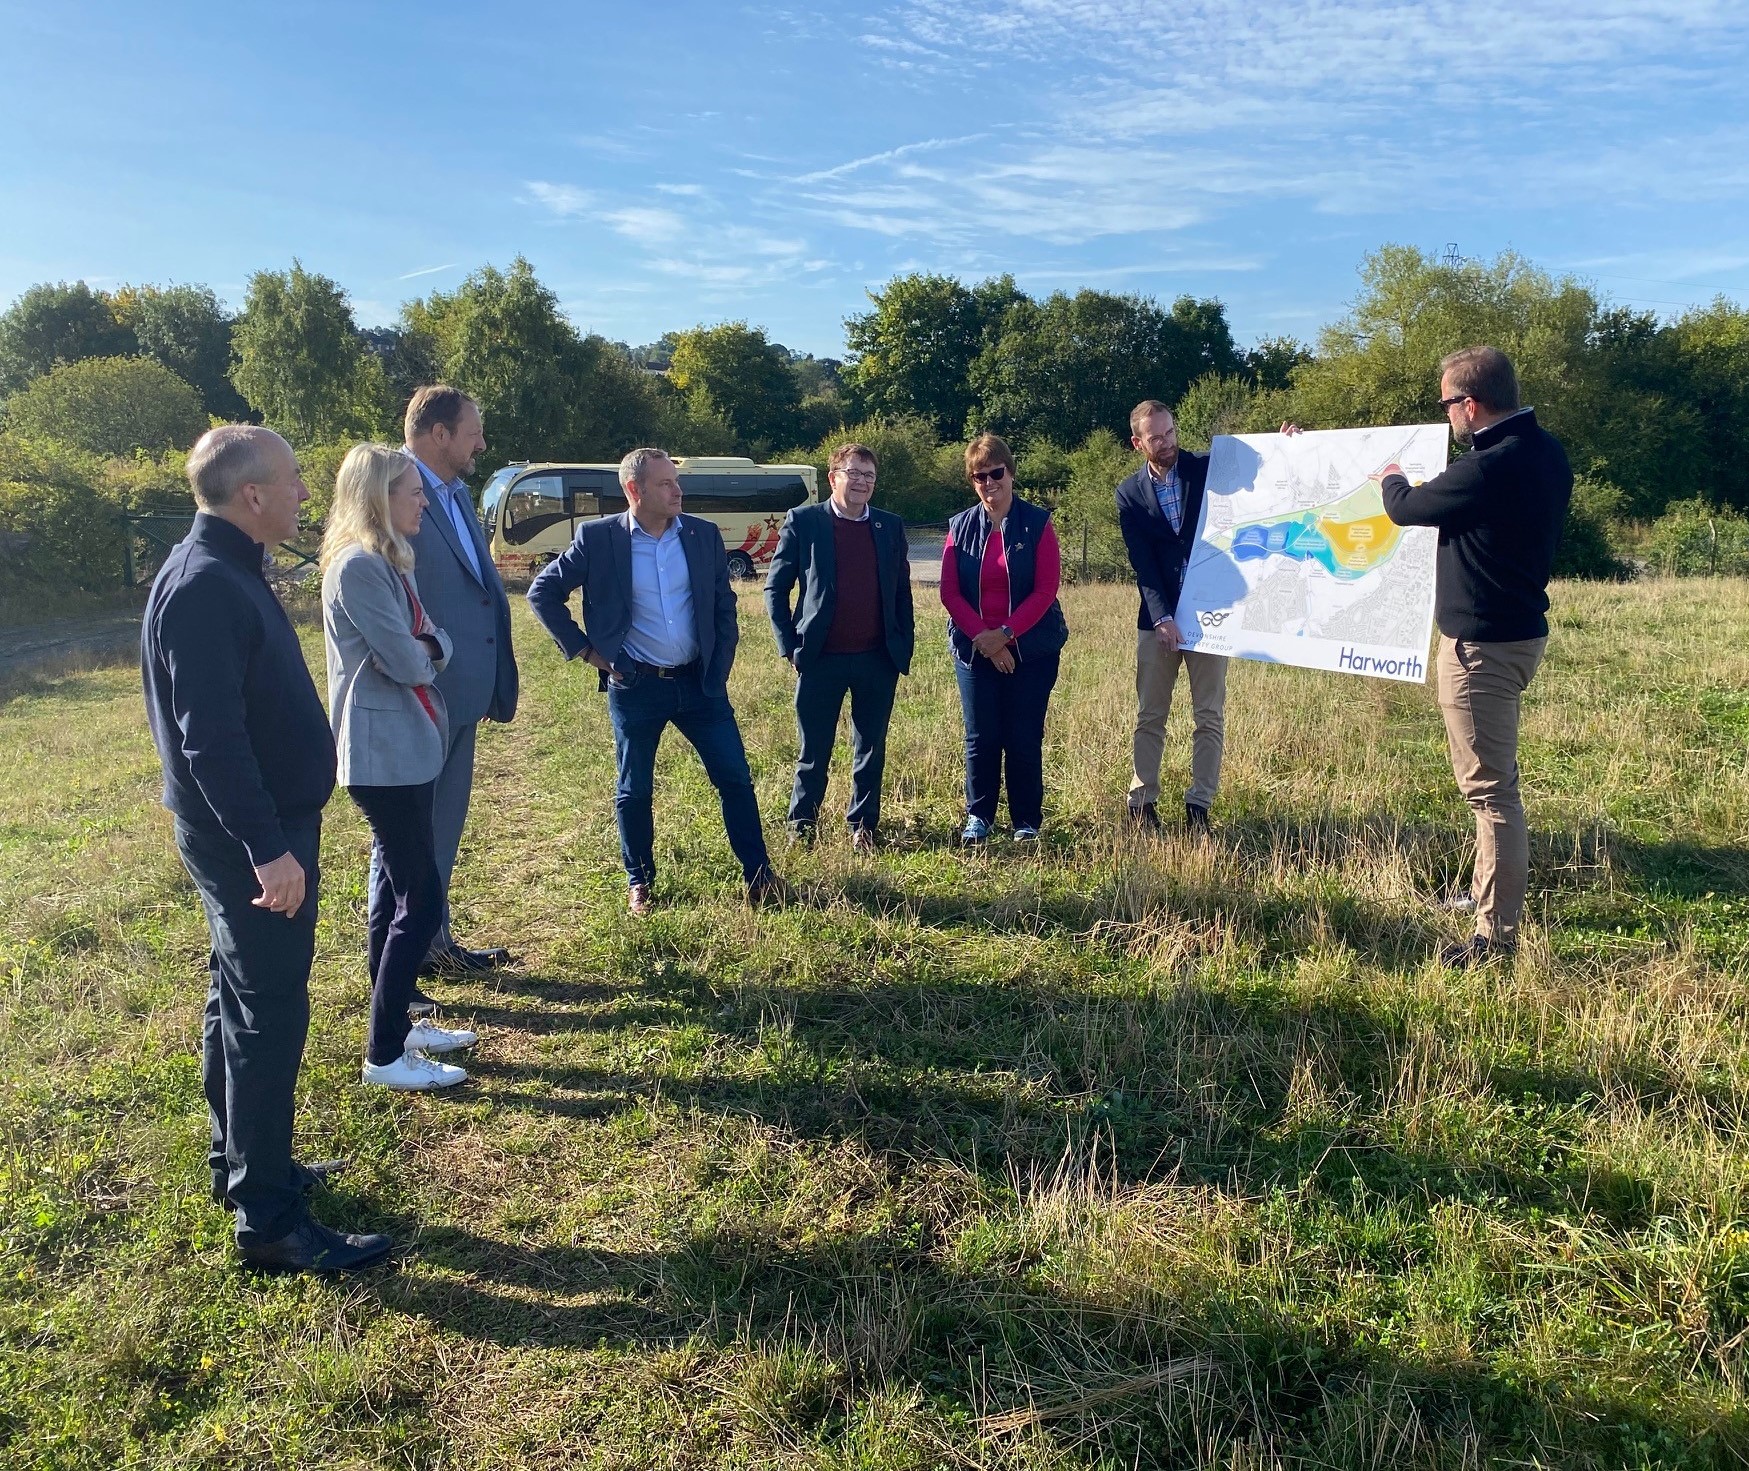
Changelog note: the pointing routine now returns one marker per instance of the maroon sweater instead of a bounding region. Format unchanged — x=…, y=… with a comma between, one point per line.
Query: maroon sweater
x=856, y=614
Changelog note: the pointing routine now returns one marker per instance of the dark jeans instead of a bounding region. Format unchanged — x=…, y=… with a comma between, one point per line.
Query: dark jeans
x=449, y=815
x=640, y=712
x=871, y=682
x=257, y=1016
x=1005, y=724
x=406, y=907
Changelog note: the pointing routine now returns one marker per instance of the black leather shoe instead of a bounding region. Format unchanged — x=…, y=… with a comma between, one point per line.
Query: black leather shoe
x=419, y=1004
x=314, y=1248
x=1196, y=820
x=458, y=960
x=308, y=1177
x=1145, y=817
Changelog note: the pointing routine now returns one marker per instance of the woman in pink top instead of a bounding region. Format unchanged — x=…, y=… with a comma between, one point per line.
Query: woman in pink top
x=1000, y=572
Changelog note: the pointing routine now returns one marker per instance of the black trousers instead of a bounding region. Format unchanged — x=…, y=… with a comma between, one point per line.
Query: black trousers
x=257, y=1017
x=870, y=680
x=406, y=906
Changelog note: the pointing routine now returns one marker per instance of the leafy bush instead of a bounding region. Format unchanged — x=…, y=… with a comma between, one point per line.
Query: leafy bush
x=110, y=406
x=1694, y=539
x=1588, y=542
x=1086, y=511
x=921, y=479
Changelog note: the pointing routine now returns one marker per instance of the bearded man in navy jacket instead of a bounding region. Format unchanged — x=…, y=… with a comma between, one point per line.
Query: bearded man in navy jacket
x=1157, y=511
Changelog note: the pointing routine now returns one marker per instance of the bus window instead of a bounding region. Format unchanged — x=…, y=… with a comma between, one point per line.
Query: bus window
x=594, y=493
x=742, y=495
x=535, y=503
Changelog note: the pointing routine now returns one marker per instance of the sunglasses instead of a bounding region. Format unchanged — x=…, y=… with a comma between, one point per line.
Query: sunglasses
x=1456, y=398
x=991, y=477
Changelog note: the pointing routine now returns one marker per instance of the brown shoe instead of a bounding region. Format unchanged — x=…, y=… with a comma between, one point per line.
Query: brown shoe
x=862, y=840
x=639, y=900
x=768, y=888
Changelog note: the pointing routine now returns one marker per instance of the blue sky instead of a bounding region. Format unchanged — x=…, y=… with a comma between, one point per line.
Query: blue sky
x=673, y=164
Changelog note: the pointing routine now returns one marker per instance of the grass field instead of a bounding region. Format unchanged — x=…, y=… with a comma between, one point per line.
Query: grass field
x=1110, y=1155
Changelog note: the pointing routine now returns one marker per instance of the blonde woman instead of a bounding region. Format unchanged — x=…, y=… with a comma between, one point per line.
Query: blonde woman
x=391, y=732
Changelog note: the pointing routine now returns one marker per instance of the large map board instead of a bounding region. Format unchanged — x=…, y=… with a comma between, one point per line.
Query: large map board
x=1295, y=561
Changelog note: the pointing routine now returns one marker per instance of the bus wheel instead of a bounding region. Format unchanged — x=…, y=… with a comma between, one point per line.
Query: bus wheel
x=741, y=566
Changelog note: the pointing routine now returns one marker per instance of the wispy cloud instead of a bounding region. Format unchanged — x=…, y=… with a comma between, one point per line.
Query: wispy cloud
x=563, y=200
x=685, y=191
x=924, y=145
x=427, y=271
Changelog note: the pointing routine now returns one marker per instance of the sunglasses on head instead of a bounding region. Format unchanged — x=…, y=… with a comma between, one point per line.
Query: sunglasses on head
x=993, y=476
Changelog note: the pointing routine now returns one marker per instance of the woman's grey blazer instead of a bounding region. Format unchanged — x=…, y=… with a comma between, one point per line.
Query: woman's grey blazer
x=382, y=733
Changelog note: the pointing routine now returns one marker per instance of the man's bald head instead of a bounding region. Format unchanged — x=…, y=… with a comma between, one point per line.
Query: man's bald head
x=231, y=456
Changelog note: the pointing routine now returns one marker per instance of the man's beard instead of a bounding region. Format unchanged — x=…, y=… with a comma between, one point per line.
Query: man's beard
x=1464, y=435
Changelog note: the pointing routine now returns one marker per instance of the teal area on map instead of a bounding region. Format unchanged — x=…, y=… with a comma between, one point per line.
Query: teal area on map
x=1347, y=537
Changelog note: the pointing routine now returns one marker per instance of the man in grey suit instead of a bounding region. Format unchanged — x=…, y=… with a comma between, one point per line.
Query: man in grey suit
x=462, y=592
x=659, y=624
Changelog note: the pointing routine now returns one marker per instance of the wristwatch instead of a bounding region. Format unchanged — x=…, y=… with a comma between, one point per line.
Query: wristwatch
x=1006, y=632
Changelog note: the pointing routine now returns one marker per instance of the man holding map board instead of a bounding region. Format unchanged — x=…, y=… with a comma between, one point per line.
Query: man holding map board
x=1499, y=511
x=1157, y=509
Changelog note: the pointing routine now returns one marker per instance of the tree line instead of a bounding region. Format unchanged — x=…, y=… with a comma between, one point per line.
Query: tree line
x=104, y=388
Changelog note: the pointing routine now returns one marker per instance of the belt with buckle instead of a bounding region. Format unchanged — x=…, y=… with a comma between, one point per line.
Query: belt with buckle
x=665, y=671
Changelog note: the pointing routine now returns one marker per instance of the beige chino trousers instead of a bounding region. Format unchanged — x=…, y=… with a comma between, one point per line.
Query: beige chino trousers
x=1156, y=676
x=1481, y=686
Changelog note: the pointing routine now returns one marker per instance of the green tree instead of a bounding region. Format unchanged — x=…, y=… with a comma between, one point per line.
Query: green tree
x=1066, y=366
x=186, y=330
x=1712, y=347
x=109, y=406
x=545, y=391
x=59, y=323
x=742, y=376
x=1605, y=381
x=1271, y=363
x=913, y=353
x=300, y=362
x=1086, y=510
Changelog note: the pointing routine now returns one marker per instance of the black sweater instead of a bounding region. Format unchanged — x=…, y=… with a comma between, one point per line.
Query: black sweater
x=1499, y=510
x=241, y=733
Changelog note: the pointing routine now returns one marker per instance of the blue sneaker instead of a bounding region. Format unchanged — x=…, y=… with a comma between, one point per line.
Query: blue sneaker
x=1026, y=835
x=976, y=831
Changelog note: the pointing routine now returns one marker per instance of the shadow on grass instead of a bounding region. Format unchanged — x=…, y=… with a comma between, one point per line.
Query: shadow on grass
x=868, y=1313
x=1255, y=1093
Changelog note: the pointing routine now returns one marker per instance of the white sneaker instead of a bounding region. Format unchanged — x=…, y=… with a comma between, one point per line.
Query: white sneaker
x=414, y=1072
x=427, y=1036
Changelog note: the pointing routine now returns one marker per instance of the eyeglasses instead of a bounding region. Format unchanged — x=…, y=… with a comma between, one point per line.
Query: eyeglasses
x=1456, y=398
x=866, y=477
x=991, y=477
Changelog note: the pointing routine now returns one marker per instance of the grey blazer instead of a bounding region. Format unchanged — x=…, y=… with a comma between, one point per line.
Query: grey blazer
x=382, y=733
x=480, y=682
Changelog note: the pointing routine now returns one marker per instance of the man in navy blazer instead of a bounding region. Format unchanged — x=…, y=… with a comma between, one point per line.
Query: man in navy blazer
x=462, y=592
x=852, y=635
x=1157, y=511
x=659, y=625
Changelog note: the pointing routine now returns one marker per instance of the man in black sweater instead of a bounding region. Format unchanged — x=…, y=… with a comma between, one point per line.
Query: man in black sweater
x=1499, y=510
x=248, y=762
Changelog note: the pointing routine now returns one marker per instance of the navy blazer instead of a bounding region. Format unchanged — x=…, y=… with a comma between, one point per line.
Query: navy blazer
x=807, y=554
x=599, y=562
x=1158, y=554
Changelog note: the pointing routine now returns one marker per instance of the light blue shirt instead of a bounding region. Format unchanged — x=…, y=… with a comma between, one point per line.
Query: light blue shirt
x=442, y=496
x=664, y=630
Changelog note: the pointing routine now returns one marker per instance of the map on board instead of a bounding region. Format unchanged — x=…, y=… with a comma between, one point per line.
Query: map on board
x=1295, y=561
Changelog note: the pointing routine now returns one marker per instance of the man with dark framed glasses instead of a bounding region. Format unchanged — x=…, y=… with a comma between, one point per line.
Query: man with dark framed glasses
x=849, y=635
x=1499, y=510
